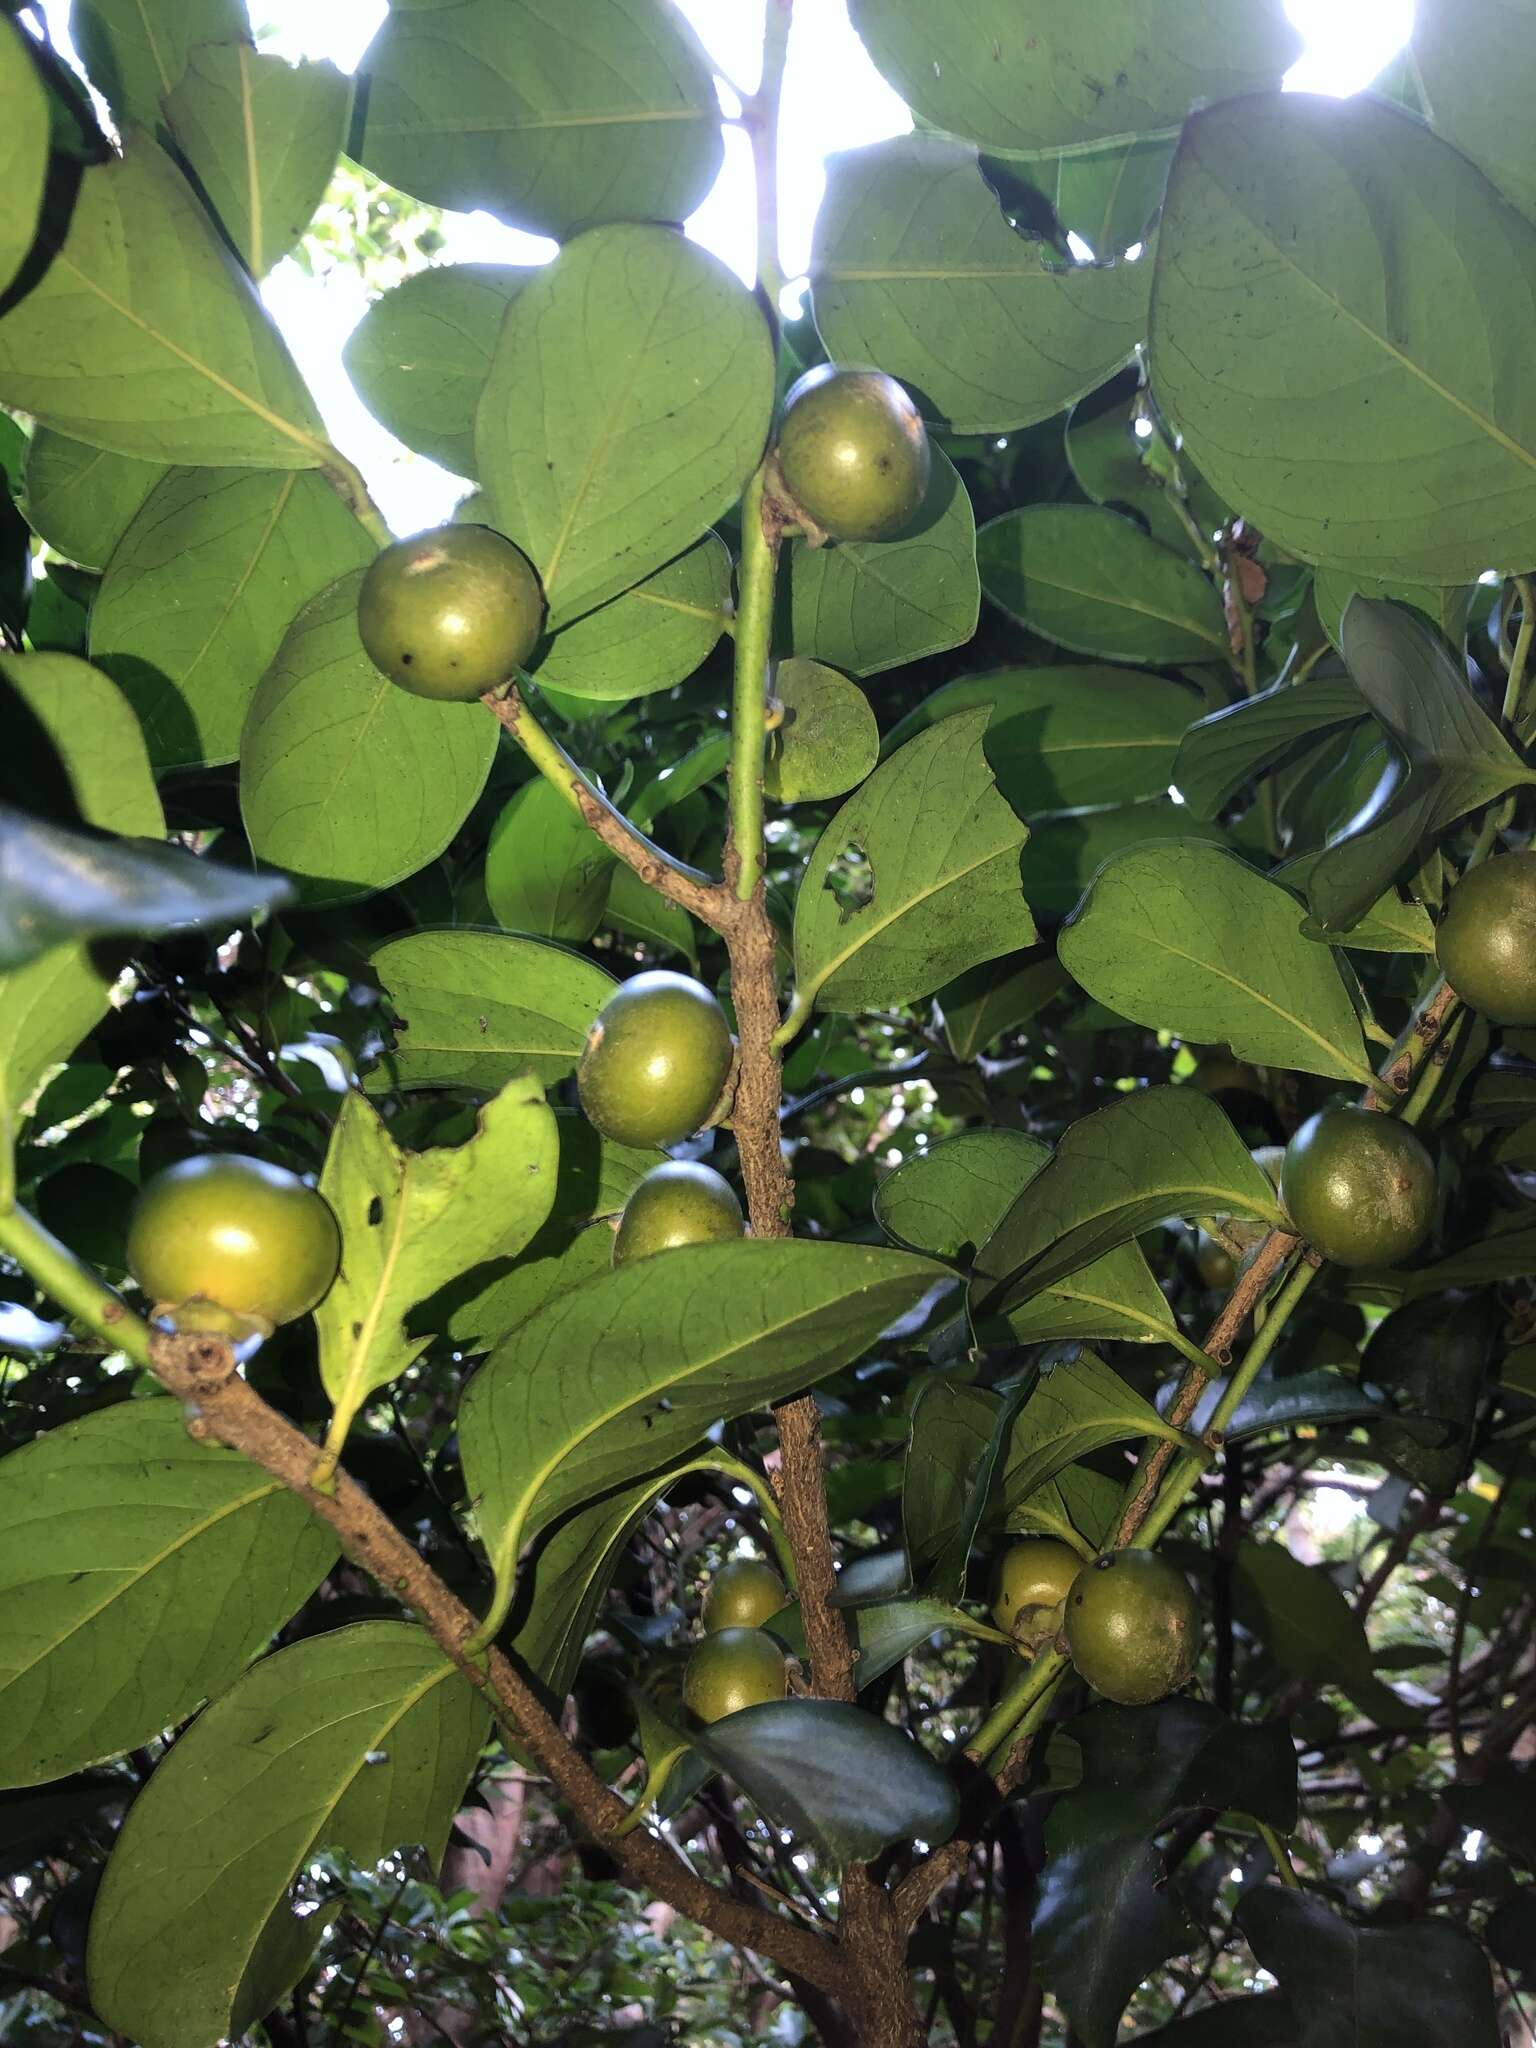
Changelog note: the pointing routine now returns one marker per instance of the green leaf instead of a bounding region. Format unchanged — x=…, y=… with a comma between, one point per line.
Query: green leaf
x=472, y=1009
x=554, y=116
x=866, y=606
x=627, y=405
x=618, y=1377
x=914, y=267
x=883, y=1632
x=137, y=50
x=1160, y=1152
x=360, y=1740
x=1289, y=1401
x=411, y=1221
x=1265, y=2021
x=1314, y=251
x=139, y=1573
x=958, y=1434
x=998, y=996
x=546, y=870
x=346, y=781
x=46, y=1008
x=144, y=336
x=1091, y=580
x=940, y=849
x=421, y=354
x=827, y=740
x=1061, y=738
x=841, y=1780
x=1107, y=197
x=262, y=137
x=79, y=499
x=1114, y=1295
x=1061, y=79
x=949, y=1199
x=1474, y=67
x=1222, y=752
x=641, y=912
x=1300, y=1614
x=1370, y=1987
x=1074, y=1410
x=1433, y=1357
x=648, y=638
x=1120, y=454
x=23, y=149
x=1079, y=1505
x=1446, y=607
x=1187, y=938
x=57, y=887
x=93, y=734
x=200, y=590
x=1107, y=1915
x=1456, y=758
x=1064, y=853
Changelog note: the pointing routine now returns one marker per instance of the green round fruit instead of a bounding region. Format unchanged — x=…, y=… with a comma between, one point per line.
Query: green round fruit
x=1486, y=941
x=1133, y=1627
x=1031, y=1581
x=235, y=1234
x=853, y=452
x=743, y=1594
x=451, y=613
x=676, y=1204
x=732, y=1669
x=656, y=1059
x=1359, y=1187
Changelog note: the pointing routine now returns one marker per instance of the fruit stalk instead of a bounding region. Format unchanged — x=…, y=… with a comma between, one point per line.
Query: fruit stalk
x=72, y=1284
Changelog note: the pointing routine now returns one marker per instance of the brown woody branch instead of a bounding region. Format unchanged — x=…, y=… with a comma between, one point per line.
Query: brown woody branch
x=223, y=1408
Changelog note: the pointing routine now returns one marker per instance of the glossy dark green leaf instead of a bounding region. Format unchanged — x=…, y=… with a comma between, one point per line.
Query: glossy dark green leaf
x=840, y=1779
x=58, y=887
x=1091, y=580
x=958, y=1434
x=1264, y=2021
x=1059, y=78
x=915, y=268
x=200, y=591
x=609, y=1381
x=347, y=781
x=1298, y=1612
x=262, y=137
x=603, y=475
x=1419, y=1986
x=23, y=149
x=1433, y=1357
x=1189, y=939
x=361, y=1740
x=882, y=1632
x=941, y=852
x=1316, y=250
x=139, y=1573
x=1456, y=758
x=144, y=336
x=473, y=1008
x=80, y=499
x=420, y=355
x=1221, y=752
x=867, y=606
x=1160, y=1152
x=1290, y=1401
x=555, y=114
x=1446, y=607
x=1076, y=1408
x=1106, y=1915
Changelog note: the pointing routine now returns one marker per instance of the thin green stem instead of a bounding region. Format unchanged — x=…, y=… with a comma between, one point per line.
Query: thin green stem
x=1056, y=1668
x=71, y=1283
x=346, y=479
x=749, y=692
x=796, y=1017
x=1520, y=660
x=743, y=1474
x=1279, y=1856
x=1431, y=1073
x=1035, y=1682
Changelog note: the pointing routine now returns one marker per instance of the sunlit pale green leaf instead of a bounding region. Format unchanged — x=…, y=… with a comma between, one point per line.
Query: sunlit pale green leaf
x=23, y=149
x=826, y=740
x=262, y=137
x=137, y=50
x=93, y=736
x=200, y=590
x=81, y=499
x=546, y=871
x=647, y=638
x=139, y=1572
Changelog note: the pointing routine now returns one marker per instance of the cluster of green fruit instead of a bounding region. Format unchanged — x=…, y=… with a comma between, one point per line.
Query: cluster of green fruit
x=1131, y=1624
x=455, y=612
x=737, y=1663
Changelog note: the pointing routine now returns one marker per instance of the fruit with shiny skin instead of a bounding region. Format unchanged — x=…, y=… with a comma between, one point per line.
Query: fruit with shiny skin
x=744, y=1593
x=1359, y=1187
x=683, y=1202
x=451, y=613
x=656, y=1059
x=732, y=1669
x=853, y=452
x=1133, y=1627
x=1031, y=1581
x=232, y=1234
x=1486, y=941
